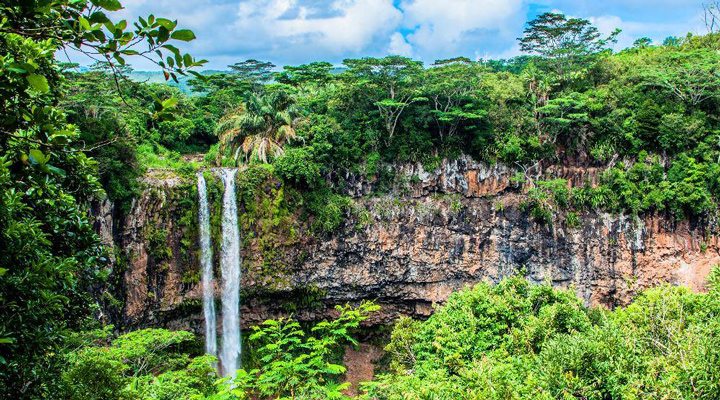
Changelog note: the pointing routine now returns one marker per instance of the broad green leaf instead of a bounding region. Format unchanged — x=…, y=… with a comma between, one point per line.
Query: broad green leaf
x=17, y=68
x=55, y=170
x=198, y=76
x=168, y=24
x=119, y=59
x=98, y=17
x=84, y=23
x=37, y=157
x=172, y=48
x=39, y=83
x=185, y=35
x=110, y=5
x=121, y=25
x=163, y=34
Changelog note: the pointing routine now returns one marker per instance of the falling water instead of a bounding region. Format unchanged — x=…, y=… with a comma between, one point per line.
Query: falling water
x=206, y=257
x=230, y=267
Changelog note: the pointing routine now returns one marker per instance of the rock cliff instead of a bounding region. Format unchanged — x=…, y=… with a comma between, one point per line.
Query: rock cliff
x=433, y=233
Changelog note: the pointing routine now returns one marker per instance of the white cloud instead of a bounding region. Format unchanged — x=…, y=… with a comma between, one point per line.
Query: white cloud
x=444, y=25
x=351, y=26
x=633, y=30
x=399, y=45
x=509, y=52
x=300, y=31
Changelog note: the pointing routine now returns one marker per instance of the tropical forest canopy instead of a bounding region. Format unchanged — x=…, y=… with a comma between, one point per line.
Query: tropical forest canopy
x=646, y=116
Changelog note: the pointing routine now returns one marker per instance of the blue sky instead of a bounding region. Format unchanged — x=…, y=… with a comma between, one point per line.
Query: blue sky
x=300, y=31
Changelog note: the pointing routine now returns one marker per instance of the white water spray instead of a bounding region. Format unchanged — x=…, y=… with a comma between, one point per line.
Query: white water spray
x=206, y=263
x=230, y=267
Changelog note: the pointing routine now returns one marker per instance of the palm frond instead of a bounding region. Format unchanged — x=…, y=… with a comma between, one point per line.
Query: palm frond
x=260, y=127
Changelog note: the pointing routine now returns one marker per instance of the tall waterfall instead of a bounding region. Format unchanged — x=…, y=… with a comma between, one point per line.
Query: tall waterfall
x=206, y=262
x=230, y=267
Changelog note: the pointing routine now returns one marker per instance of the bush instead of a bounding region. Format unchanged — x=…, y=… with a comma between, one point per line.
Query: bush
x=520, y=341
x=298, y=167
x=297, y=364
x=328, y=210
x=149, y=363
x=546, y=198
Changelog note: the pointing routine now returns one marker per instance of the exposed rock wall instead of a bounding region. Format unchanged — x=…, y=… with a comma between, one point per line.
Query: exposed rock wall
x=437, y=232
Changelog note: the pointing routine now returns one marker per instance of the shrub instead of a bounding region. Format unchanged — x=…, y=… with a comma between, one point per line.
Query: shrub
x=148, y=363
x=298, y=167
x=293, y=363
x=517, y=340
x=328, y=209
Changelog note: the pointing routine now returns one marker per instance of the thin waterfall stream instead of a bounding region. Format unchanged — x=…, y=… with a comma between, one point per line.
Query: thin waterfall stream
x=230, y=269
x=206, y=263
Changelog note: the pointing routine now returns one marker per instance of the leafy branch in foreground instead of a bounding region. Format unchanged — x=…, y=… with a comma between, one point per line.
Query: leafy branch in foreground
x=54, y=264
x=298, y=365
x=85, y=27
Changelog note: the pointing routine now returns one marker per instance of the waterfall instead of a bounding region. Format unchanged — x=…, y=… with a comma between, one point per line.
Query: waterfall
x=206, y=262
x=230, y=268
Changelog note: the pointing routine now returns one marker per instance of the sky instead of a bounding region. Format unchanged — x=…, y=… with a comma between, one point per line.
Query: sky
x=291, y=32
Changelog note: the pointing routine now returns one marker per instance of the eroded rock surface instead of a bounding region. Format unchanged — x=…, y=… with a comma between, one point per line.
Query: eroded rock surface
x=436, y=233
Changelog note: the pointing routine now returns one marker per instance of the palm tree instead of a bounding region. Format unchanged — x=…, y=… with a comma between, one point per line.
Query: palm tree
x=259, y=128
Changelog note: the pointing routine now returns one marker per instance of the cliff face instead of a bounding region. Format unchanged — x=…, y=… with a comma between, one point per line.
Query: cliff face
x=434, y=234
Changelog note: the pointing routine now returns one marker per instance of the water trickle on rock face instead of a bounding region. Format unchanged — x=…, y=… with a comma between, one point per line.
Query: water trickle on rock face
x=230, y=268
x=206, y=258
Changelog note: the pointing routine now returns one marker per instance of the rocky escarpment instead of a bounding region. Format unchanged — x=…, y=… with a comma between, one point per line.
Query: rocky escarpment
x=433, y=233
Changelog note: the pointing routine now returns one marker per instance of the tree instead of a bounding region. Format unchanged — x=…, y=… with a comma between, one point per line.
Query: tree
x=567, y=120
x=514, y=340
x=317, y=73
x=712, y=16
x=253, y=71
x=217, y=95
x=260, y=127
x=391, y=83
x=144, y=364
x=672, y=41
x=692, y=76
x=565, y=41
x=52, y=262
x=213, y=85
x=449, y=85
x=642, y=43
x=110, y=123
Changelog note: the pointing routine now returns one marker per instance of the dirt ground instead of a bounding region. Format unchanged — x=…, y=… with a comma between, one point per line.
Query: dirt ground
x=360, y=365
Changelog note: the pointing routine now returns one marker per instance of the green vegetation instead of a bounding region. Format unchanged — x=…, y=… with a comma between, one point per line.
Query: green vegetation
x=520, y=341
x=162, y=365
x=513, y=340
x=145, y=364
x=52, y=262
x=646, y=117
x=294, y=364
x=264, y=123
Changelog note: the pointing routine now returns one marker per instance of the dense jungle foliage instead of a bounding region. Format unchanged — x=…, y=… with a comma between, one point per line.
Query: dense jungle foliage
x=647, y=116
x=513, y=340
x=520, y=341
